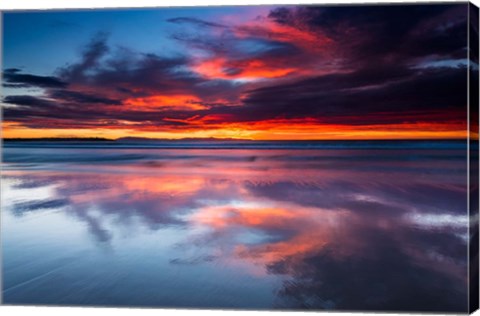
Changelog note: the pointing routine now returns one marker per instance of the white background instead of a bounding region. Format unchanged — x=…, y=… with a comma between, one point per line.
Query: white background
x=76, y=311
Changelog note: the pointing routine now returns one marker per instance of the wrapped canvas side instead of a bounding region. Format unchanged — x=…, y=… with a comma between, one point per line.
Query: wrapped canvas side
x=473, y=156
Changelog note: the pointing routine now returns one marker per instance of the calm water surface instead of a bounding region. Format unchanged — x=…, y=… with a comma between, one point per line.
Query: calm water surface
x=337, y=229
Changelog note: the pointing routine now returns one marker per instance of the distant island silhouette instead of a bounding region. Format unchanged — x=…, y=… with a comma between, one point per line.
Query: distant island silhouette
x=208, y=139
x=59, y=139
x=122, y=139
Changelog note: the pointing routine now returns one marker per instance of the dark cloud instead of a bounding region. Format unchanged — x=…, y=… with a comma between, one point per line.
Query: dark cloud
x=91, y=56
x=78, y=97
x=196, y=22
x=202, y=42
x=341, y=98
x=381, y=31
x=126, y=71
x=15, y=79
x=27, y=100
x=11, y=70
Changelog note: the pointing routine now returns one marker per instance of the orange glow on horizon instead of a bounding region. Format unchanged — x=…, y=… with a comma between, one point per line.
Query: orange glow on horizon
x=267, y=130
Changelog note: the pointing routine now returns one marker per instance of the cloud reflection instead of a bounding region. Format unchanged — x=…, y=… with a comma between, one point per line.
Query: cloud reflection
x=355, y=235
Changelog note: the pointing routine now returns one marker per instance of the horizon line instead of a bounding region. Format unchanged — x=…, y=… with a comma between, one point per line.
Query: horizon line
x=133, y=138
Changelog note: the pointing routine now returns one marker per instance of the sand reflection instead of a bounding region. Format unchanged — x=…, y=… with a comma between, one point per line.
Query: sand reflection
x=337, y=232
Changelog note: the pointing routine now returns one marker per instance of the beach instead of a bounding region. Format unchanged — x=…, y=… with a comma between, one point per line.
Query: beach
x=313, y=225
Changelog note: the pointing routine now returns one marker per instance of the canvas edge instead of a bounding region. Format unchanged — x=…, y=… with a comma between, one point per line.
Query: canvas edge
x=472, y=138
x=1, y=156
x=473, y=157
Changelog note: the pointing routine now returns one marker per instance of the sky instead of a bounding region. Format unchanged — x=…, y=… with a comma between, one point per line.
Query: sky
x=246, y=72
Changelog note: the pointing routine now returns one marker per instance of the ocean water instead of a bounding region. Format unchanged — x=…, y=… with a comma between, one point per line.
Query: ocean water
x=339, y=226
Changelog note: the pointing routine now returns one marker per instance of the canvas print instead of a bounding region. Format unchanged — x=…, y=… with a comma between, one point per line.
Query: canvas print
x=300, y=157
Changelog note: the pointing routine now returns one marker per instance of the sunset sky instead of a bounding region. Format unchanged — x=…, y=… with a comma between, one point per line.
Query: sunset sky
x=250, y=72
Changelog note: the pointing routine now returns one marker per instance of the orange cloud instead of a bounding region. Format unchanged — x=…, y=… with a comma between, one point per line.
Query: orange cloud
x=177, y=101
x=221, y=68
x=286, y=33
